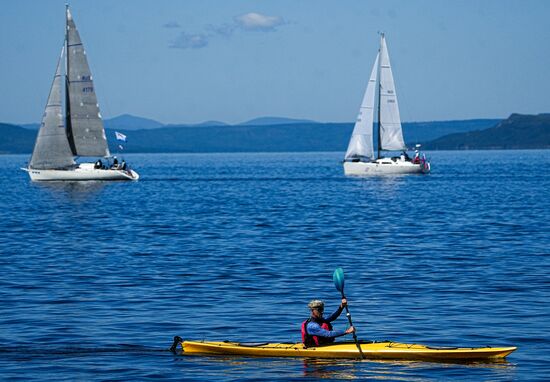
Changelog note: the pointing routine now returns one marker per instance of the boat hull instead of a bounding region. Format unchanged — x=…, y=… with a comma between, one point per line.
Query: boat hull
x=385, y=166
x=81, y=173
x=377, y=350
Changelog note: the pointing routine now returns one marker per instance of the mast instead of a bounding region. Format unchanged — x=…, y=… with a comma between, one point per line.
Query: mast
x=379, y=92
x=68, y=125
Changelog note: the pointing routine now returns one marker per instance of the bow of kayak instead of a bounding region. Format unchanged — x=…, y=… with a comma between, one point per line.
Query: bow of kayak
x=386, y=350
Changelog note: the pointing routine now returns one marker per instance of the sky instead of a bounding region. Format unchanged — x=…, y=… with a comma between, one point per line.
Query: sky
x=189, y=61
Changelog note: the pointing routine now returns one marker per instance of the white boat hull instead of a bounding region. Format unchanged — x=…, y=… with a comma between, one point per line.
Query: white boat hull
x=83, y=172
x=385, y=166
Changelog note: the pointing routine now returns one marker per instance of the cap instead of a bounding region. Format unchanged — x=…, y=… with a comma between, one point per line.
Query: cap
x=316, y=304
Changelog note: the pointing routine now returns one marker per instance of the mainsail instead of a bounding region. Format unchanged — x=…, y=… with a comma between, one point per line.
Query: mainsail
x=51, y=150
x=360, y=144
x=391, y=136
x=84, y=125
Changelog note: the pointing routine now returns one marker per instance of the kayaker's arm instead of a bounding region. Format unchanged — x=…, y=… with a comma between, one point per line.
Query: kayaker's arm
x=338, y=311
x=314, y=329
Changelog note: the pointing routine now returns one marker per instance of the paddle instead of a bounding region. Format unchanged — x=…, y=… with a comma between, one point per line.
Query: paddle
x=338, y=278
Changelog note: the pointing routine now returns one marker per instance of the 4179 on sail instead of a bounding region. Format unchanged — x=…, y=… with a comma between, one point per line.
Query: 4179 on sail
x=360, y=158
x=77, y=132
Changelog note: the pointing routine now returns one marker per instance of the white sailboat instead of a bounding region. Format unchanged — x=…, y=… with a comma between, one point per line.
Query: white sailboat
x=78, y=132
x=360, y=159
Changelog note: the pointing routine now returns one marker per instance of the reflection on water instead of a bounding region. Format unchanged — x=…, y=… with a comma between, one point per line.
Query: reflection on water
x=393, y=370
x=73, y=191
x=387, y=186
x=330, y=369
x=282, y=369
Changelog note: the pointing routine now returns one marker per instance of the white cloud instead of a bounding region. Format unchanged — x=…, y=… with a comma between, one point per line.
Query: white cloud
x=257, y=22
x=190, y=41
x=247, y=22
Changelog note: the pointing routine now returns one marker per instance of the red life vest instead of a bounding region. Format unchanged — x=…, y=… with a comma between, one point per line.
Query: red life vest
x=312, y=341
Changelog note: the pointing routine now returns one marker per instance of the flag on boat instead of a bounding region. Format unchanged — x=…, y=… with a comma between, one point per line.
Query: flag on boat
x=120, y=136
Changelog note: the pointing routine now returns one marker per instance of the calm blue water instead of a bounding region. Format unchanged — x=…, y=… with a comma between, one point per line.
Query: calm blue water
x=96, y=278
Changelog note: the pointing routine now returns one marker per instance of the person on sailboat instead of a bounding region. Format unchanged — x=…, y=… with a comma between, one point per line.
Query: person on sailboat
x=317, y=330
x=416, y=159
x=98, y=165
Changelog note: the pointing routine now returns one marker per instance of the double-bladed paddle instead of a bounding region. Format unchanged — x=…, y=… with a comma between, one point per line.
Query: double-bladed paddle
x=338, y=278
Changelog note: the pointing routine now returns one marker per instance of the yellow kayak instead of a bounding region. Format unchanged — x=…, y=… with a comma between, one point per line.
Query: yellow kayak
x=386, y=350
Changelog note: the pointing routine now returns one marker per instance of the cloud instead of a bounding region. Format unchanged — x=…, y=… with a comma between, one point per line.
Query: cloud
x=190, y=41
x=248, y=22
x=257, y=22
x=172, y=25
x=225, y=30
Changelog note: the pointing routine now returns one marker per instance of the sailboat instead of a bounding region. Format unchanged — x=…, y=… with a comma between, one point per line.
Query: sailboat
x=360, y=158
x=79, y=132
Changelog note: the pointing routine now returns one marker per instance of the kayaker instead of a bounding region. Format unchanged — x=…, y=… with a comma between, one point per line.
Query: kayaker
x=317, y=330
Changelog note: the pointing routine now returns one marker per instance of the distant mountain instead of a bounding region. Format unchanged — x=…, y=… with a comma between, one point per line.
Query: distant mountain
x=293, y=136
x=264, y=121
x=30, y=126
x=122, y=122
x=201, y=124
x=240, y=138
x=130, y=122
x=516, y=132
x=415, y=132
x=210, y=123
x=15, y=139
